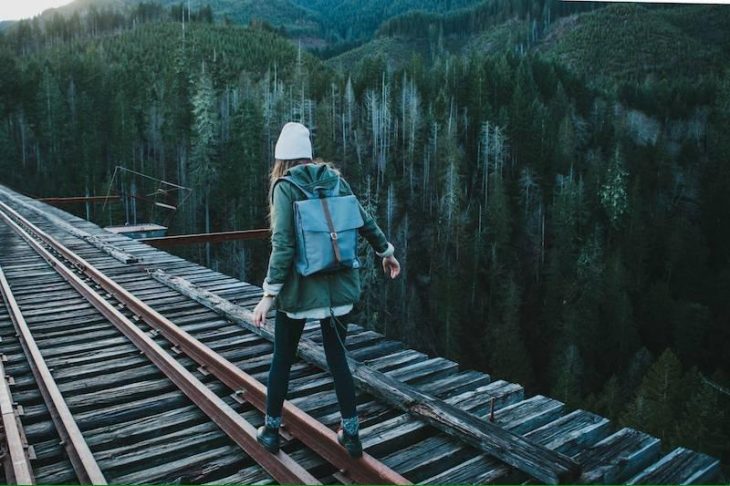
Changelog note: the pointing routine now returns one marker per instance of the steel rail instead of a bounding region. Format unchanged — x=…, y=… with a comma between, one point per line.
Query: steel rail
x=281, y=467
x=16, y=459
x=86, y=468
x=315, y=435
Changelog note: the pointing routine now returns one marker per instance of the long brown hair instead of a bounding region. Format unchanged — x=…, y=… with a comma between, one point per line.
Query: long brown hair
x=279, y=169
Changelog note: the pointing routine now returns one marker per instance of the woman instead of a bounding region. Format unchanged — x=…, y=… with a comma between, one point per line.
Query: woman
x=323, y=296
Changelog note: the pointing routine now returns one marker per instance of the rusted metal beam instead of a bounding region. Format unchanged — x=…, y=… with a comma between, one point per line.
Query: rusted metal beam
x=87, y=470
x=304, y=427
x=78, y=199
x=193, y=239
x=281, y=467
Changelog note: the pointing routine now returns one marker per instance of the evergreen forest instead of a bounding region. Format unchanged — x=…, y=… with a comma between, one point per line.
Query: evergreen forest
x=553, y=175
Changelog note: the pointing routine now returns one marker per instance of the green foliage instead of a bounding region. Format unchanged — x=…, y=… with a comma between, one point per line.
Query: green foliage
x=355, y=19
x=701, y=422
x=508, y=353
x=476, y=17
x=568, y=376
x=204, y=155
x=681, y=408
x=659, y=399
x=630, y=42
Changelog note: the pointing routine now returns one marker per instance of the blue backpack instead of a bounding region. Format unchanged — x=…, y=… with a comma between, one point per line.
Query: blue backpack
x=326, y=230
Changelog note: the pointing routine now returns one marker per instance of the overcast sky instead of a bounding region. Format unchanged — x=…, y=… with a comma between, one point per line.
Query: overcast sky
x=13, y=9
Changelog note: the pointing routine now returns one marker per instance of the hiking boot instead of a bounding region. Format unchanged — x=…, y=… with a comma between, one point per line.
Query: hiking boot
x=350, y=442
x=269, y=438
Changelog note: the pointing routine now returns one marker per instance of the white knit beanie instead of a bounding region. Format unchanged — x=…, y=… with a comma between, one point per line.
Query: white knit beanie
x=293, y=143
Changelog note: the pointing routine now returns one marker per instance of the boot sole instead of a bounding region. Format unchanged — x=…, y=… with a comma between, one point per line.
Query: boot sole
x=269, y=447
x=353, y=452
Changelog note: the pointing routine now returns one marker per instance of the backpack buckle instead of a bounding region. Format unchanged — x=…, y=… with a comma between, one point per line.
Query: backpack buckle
x=333, y=235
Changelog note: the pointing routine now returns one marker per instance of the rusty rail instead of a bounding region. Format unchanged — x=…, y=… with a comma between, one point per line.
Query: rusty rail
x=192, y=239
x=83, y=462
x=304, y=427
x=77, y=199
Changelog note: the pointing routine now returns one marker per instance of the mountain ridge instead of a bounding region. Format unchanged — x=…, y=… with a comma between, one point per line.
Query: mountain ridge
x=600, y=44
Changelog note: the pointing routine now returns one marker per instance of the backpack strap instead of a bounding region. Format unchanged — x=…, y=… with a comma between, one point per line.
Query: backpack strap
x=331, y=226
x=310, y=195
x=314, y=194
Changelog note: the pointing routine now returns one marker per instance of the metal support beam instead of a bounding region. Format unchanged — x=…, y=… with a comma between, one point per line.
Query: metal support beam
x=77, y=199
x=193, y=239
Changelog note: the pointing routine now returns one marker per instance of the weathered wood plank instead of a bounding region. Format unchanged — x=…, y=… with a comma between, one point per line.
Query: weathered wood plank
x=326, y=401
x=396, y=360
x=249, y=475
x=562, y=434
x=174, y=471
x=573, y=432
x=441, y=453
x=681, y=466
x=618, y=457
x=527, y=415
x=129, y=432
x=384, y=437
x=455, y=384
x=163, y=449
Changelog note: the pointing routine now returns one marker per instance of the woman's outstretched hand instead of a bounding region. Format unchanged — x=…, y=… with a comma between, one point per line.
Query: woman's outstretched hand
x=391, y=266
x=262, y=308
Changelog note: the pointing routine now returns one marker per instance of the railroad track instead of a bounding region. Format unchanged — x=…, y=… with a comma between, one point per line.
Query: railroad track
x=141, y=324
x=163, y=389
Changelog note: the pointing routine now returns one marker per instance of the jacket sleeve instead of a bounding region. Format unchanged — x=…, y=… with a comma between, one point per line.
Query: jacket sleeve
x=372, y=232
x=283, y=240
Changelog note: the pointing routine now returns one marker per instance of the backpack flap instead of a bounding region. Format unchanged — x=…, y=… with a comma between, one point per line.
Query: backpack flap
x=315, y=249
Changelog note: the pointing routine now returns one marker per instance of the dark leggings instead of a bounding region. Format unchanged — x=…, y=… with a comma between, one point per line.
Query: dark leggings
x=287, y=332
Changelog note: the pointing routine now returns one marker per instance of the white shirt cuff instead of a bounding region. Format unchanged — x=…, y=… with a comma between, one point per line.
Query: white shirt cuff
x=388, y=252
x=272, y=289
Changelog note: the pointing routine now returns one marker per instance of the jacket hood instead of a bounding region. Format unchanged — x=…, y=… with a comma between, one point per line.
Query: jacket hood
x=310, y=175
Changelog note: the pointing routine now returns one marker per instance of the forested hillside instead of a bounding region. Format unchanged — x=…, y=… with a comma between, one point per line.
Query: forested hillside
x=624, y=42
x=565, y=233
x=630, y=43
x=350, y=20
x=332, y=21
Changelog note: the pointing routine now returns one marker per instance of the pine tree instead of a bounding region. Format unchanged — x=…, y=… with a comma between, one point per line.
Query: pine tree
x=509, y=358
x=657, y=405
x=568, y=376
x=701, y=420
x=617, y=319
x=610, y=402
x=204, y=161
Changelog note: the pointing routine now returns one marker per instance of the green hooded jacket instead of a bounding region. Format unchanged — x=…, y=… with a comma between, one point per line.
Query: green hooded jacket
x=295, y=292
